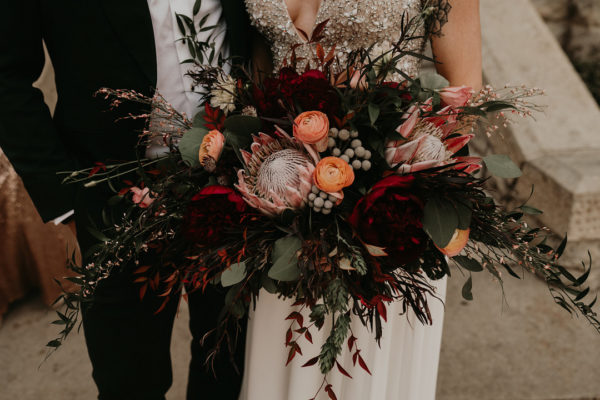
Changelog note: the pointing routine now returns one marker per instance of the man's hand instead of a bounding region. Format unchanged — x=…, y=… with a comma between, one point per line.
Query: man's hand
x=72, y=227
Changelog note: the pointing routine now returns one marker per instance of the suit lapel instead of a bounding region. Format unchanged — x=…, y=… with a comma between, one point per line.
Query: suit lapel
x=132, y=22
x=238, y=28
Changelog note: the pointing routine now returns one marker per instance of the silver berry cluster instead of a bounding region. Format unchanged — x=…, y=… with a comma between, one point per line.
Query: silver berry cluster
x=321, y=201
x=346, y=145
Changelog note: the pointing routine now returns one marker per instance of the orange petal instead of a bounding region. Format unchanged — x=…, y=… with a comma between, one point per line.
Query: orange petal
x=457, y=243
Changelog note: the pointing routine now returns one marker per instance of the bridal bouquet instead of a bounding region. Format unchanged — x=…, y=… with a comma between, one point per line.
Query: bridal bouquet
x=330, y=182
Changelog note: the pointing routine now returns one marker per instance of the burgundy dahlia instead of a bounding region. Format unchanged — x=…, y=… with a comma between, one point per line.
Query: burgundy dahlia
x=213, y=211
x=388, y=220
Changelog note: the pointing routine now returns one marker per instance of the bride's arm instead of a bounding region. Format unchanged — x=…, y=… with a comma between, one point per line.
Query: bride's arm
x=459, y=48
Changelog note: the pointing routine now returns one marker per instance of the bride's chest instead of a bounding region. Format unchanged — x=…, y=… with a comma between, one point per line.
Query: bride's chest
x=346, y=18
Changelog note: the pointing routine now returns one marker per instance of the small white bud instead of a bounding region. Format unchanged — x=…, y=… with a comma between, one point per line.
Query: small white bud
x=319, y=202
x=367, y=155
x=336, y=152
x=333, y=132
x=344, y=134
x=323, y=195
x=315, y=189
x=326, y=211
x=349, y=153
x=354, y=134
x=355, y=143
x=360, y=152
x=328, y=204
x=356, y=164
x=312, y=196
x=331, y=142
x=366, y=165
x=345, y=158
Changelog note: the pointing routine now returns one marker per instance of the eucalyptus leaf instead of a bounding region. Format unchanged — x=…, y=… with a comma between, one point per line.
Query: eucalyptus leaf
x=502, y=166
x=433, y=81
x=234, y=274
x=464, y=216
x=530, y=210
x=468, y=263
x=189, y=145
x=466, y=290
x=440, y=220
x=285, y=259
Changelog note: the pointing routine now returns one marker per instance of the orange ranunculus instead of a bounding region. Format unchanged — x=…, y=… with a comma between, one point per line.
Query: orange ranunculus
x=457, y=243
x=312, y=127
x=211, y=147
x=332, y=174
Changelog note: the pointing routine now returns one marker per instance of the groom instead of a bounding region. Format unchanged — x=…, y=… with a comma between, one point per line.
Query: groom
x=120, y=44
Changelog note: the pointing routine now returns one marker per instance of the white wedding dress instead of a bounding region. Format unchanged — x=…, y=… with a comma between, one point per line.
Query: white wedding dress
x=405, y=366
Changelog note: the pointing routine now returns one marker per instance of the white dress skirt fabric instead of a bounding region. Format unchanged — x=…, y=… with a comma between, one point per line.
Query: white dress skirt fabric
x=404, y=367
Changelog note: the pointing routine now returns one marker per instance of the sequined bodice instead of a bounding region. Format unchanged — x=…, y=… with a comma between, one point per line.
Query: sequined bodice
x=353, y=24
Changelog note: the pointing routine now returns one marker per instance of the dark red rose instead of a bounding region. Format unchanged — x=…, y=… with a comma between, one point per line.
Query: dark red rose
x=309, y=91
x=211, y=212
x=390, y=216
x=312, y=91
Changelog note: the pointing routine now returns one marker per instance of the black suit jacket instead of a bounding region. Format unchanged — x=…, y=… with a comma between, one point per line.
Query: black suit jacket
x=92, y=44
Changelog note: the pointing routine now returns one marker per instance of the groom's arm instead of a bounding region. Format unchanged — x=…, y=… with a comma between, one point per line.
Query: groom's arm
x=28, y=136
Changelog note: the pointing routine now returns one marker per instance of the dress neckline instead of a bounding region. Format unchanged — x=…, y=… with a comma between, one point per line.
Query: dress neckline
x=291, y=21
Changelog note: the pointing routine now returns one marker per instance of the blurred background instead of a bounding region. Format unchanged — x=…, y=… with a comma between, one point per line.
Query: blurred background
x=523, y=348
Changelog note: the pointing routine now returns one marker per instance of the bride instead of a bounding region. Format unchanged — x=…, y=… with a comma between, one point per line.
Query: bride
x=404, y=366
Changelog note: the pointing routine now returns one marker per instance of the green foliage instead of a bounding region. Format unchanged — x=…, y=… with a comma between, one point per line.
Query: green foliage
x=502, y=166
x=234, y=274
x=189, y=145
x=440, y=220
x=285, y=259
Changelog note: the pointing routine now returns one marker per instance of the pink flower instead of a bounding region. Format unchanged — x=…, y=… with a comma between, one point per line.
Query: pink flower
x=211, y=147
x=456, y=96
x=141, y=197
x=359, y=80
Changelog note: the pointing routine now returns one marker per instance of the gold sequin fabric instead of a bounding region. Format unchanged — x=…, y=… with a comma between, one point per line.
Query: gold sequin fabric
x=353, y=24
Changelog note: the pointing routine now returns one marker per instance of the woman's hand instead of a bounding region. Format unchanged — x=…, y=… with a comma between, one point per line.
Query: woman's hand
x=458, y=50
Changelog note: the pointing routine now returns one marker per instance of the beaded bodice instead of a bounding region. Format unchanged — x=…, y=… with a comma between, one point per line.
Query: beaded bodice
x=352, y=25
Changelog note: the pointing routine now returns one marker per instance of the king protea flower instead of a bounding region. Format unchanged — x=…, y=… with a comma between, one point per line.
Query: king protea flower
x=427, y=143
x=277, y=174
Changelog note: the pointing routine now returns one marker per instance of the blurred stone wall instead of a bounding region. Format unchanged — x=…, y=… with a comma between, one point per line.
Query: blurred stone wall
x=576, y=25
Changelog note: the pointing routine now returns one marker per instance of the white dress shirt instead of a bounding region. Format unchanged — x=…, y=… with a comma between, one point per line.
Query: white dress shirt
x=172, y=82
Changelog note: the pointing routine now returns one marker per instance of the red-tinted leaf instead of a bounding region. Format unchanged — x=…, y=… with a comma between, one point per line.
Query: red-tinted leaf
x=162, y=306
x=143, y=291
x=342, y=370
x=127, y=182
x=297, y=316
x=308, y=336
x=320, y=52
x=141, y=279
x=330, y=392
x=291, y=356
x=298, y=303
x=94, y=171
x=355, y=357
x=381, y=309
x=331, y=54
x=316, y=34
x=363, y=365
x=288, y=337
x=123, y=191
x=311, y=362
x=154, y=172
x=142, y=269
x=351, y=341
